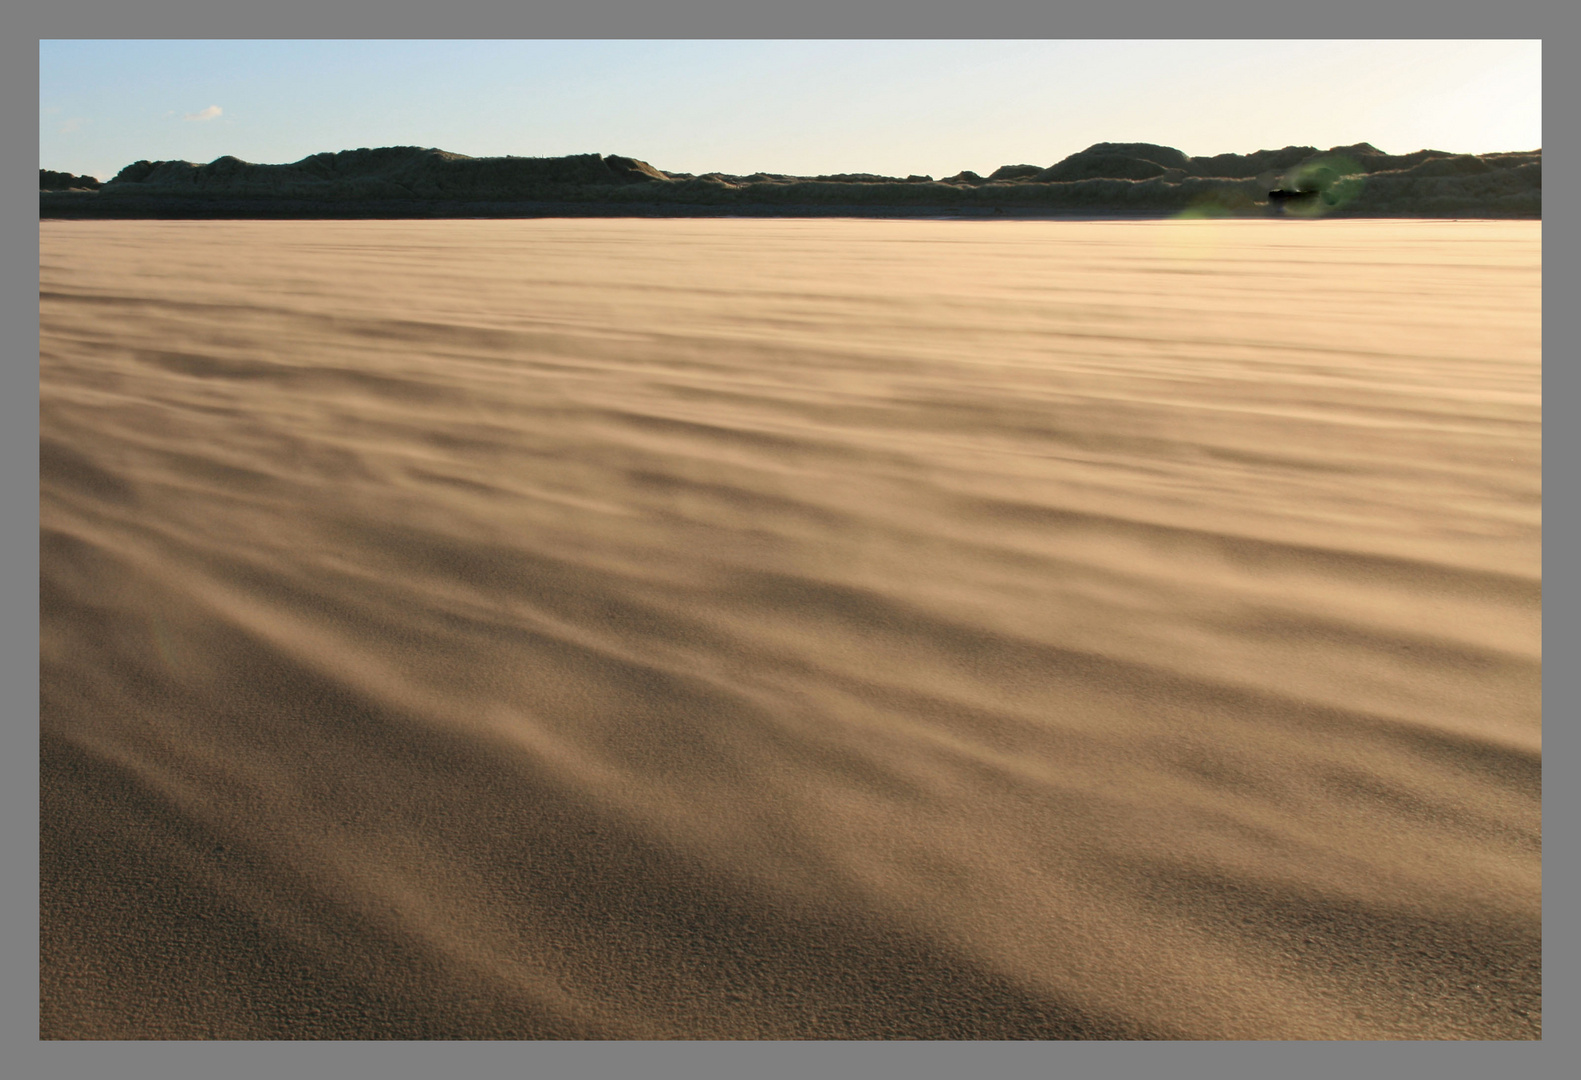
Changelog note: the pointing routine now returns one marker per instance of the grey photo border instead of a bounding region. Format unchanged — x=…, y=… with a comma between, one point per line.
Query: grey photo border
x=1154, y=19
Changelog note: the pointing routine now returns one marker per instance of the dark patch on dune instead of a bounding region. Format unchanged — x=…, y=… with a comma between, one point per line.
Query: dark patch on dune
x=1106, y=180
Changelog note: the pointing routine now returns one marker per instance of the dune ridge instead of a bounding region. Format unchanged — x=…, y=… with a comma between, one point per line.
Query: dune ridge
x=1107, y=178
x=49, y=180
x=790, y=629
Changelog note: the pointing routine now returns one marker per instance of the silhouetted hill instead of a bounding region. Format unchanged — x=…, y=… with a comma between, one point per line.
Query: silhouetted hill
x=1106, y=179
x=388, y=172
x=48, y=180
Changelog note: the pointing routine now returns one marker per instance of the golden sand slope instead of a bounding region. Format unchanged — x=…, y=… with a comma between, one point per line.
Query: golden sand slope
x=791, y=629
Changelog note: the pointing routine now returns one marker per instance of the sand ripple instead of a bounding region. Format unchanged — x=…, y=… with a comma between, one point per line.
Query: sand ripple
x=771, y=629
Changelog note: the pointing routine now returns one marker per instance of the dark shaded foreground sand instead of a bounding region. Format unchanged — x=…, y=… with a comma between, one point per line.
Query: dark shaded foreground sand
x=790, y=629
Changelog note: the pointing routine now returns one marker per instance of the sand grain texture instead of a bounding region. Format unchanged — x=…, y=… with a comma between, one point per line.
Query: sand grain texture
x=790, y=629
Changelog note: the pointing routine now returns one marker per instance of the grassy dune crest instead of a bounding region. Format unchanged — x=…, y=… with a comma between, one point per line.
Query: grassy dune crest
x=1107, y=179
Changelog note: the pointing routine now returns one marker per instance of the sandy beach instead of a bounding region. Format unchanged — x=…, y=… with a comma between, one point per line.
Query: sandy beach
x=783, y=629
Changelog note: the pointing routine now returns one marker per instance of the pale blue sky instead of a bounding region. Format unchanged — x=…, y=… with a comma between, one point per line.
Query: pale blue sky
x=803, y=107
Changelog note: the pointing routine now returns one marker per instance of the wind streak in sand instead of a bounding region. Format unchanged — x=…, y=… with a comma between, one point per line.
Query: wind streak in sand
x=790, y=629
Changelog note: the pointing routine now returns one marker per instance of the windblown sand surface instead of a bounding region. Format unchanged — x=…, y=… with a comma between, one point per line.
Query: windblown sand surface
x=769, y=629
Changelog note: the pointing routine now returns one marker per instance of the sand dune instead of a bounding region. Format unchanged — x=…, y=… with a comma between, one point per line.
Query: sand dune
x=775, y=629
x=1106, y=179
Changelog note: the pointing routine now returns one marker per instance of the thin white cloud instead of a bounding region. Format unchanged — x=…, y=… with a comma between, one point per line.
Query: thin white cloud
x=72, y=125
x=207, y=114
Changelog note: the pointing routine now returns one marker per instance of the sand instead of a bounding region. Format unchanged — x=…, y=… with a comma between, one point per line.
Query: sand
x=790, y=629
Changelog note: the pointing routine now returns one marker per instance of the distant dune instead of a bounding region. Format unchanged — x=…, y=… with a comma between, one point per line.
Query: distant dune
x=49, y=180
x=1106, y=179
